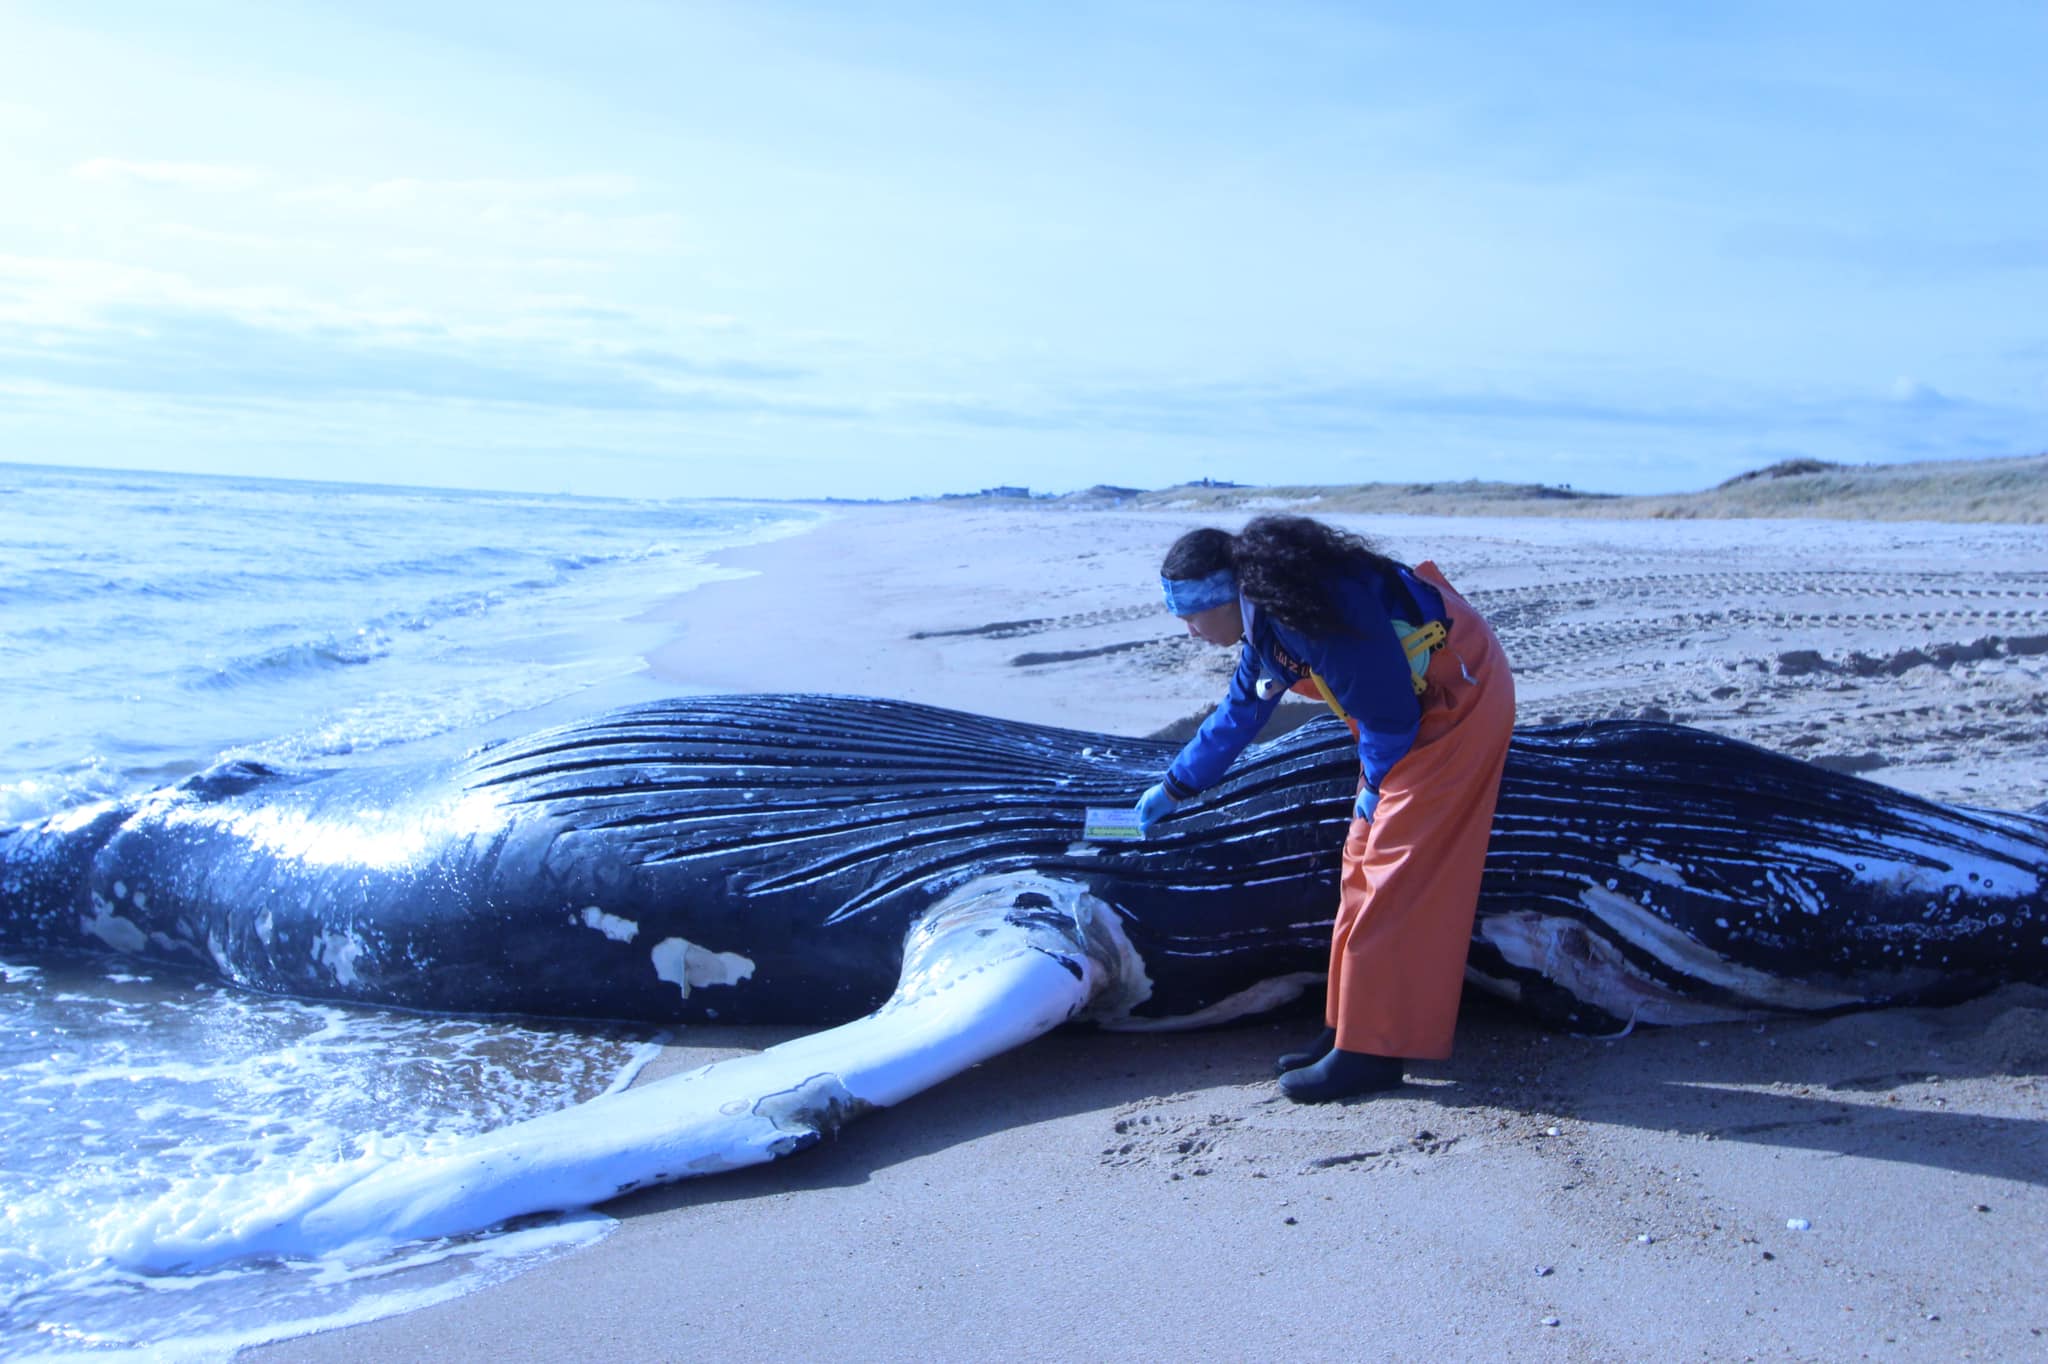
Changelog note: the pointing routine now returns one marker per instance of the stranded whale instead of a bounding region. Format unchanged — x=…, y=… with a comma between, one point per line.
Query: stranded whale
x=922, y=873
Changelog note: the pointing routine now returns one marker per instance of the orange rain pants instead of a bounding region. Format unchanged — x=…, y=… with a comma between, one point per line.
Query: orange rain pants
x=1411, y=873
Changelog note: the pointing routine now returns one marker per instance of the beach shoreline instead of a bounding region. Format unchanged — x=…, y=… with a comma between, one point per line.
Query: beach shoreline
x=1802, y=1189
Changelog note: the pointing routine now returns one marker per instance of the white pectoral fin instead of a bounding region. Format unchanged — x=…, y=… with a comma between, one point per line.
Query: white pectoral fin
x=992, y=966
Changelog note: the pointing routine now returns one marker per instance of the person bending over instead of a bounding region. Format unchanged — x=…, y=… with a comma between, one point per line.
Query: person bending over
x=1419, y=677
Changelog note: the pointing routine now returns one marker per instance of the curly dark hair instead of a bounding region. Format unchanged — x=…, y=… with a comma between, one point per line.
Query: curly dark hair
x=1198, y=554
x=1284, y=564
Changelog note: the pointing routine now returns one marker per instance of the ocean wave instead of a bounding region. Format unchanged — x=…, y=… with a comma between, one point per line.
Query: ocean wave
x=577, y=563
x=492, y=568
x=64, y=586
x=275, y=579
x=54, y=585
x=45, y=793
x=293, y=660
x=464, y=707
x=478, y=601
x=487, y=562
x=153, y=1113
x=286, y=576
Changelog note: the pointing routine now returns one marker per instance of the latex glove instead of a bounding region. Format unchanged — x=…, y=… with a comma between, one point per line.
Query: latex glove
x=1367, y=802
x=1154, y=806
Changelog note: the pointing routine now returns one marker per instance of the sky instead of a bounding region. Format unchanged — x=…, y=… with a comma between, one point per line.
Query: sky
x=875, y=250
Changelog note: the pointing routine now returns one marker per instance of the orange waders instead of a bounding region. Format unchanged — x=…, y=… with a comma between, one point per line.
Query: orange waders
x=1411, y=873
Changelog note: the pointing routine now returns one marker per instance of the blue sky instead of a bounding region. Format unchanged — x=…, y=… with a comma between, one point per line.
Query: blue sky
x=870, y=250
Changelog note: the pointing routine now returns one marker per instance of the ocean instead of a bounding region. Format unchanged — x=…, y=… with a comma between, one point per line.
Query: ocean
x=152, y=625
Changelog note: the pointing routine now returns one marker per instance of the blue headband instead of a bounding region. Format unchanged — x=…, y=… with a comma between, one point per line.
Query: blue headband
x=1186, y=596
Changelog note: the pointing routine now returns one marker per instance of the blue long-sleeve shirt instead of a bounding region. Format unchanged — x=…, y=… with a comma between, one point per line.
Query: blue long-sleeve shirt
x=1366, y=672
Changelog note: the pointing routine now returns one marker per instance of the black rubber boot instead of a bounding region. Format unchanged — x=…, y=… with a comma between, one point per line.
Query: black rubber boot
x=1340, y=1075
x=1316, y=1051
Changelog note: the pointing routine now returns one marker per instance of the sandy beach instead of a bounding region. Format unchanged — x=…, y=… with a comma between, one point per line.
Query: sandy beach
x=1870, y=1186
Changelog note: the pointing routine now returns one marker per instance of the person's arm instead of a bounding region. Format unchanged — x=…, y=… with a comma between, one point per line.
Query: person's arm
x=1231, y=726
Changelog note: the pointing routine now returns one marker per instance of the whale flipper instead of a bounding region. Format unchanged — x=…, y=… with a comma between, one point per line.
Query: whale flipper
x=995, y=964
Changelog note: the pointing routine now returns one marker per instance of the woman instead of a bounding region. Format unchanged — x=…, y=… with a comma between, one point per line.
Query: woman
x=1421, y=680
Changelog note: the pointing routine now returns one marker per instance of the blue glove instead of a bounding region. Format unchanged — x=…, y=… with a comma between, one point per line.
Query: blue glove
x=1367, y=802
x=1154, y=806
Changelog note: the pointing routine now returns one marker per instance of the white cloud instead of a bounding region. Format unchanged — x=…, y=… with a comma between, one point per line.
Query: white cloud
x=451, y=258
x=578, y=224
x=54, y=291
x=554, y=216
x=412, y=190
x=1910, y=392
x=195, y=174
x=562, y=216
x=73, y=298
x=82, y=293
x=210, y=236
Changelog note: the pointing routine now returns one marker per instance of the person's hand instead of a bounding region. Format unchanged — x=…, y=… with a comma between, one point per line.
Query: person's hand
x=1154, y=806
x=1368, y=801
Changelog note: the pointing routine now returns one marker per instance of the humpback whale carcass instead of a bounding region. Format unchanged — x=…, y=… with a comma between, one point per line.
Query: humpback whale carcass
x=917, y=879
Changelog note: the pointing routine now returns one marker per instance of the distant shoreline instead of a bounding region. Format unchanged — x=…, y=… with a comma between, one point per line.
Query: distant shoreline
x=2009, y=491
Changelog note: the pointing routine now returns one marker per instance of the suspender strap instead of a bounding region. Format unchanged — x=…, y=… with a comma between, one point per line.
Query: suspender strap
x=1329, y=697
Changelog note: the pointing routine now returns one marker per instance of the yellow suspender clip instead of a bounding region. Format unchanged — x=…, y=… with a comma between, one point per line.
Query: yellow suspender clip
x=1419, y=644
